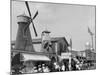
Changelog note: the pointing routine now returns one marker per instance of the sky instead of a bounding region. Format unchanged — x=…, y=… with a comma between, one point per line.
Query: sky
x=63, y=20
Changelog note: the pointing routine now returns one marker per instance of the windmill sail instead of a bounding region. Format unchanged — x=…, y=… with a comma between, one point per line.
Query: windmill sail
x=35, y=15
x=31, y=18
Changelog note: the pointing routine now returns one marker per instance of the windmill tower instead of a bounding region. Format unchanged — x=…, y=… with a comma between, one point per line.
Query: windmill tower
x=24, y=40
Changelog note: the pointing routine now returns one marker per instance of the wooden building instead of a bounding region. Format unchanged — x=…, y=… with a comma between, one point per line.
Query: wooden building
x=58, y=45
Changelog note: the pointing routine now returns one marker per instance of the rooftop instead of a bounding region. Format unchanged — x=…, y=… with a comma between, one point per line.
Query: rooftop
x=53, y=39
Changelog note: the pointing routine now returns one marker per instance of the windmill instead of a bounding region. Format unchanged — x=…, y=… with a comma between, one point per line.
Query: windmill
x=24, y=40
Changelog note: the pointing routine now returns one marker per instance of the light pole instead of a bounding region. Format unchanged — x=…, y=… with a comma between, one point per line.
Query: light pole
x=92, y=40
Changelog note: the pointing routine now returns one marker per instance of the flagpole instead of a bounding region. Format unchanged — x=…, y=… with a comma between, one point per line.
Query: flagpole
x=91, y=34
x=92, y=40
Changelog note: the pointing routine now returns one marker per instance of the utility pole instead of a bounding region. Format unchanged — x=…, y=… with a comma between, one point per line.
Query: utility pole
x=70, y=58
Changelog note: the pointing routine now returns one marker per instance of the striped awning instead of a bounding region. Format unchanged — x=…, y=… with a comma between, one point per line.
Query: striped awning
x=35, y=57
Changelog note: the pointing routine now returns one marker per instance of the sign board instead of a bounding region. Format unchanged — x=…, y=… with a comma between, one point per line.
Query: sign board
x=65, y=55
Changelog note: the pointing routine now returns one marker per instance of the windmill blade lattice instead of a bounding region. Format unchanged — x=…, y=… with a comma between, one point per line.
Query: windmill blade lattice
x=31, y=18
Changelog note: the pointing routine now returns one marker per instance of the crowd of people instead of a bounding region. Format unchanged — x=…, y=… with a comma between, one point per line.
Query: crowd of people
x=42, y=68
x=54, y=67
x=36, y=69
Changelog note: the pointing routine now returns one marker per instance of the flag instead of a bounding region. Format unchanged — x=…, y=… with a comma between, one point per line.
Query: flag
x=89, y=31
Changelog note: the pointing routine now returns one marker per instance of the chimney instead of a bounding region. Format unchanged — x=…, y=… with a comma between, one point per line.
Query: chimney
x=45, y=35
x=46, y=41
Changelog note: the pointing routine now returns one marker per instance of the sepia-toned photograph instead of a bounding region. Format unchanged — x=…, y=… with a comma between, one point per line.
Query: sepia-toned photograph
x=52, y=37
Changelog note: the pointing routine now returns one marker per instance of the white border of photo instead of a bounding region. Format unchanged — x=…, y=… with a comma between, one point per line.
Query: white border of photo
x=5, y=36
